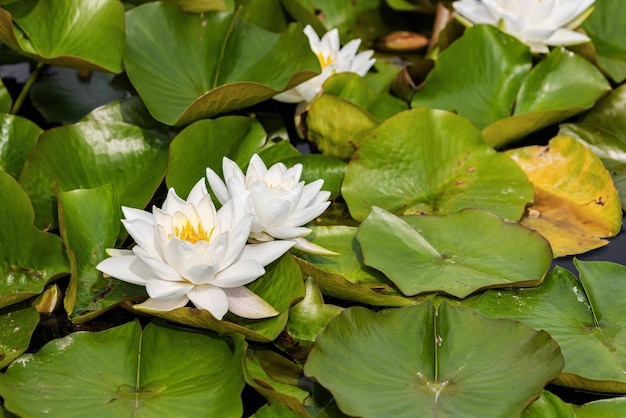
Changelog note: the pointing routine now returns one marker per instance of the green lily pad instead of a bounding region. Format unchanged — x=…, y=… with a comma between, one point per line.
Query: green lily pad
x=5, y=99
x=310, y=316
x=346, y=276
x=479, y=76
x=204, y=144
x=18, y=138
x=30, y=258
x=88, y=155
x=187, y=67
x=424, y=254
x=586, y=318
x=606, y=29
x=273, y=389
x=425, y=161
x=73, y=33
x=153, y=372
x=550, y=405
x=65, y=95
x=134, y=112
x=90, y=223
x=275, y=410
x=17, y=324
x=280, y=286
x=318, y=166
x=338, y=137
x=419, y=361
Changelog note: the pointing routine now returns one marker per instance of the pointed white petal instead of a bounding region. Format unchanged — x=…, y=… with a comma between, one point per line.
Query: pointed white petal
x=127, y=268
x=307, y=246
x=202, y=274
x=198, y=192
x=181, y=255
x=210, y=298
x=162, y=289
x=131, y=214
x=116, y=252
x=239, y=274
x=266, y=252
x=286, y=232
x=217, y=186
x=246, y=304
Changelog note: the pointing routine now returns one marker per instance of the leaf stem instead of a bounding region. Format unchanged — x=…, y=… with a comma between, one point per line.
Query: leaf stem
x=20, y=99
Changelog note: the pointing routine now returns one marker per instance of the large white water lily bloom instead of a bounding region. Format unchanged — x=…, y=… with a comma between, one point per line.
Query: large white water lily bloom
x=188, y=251
x=537, y=23
x=282, y=203
x=333, y=59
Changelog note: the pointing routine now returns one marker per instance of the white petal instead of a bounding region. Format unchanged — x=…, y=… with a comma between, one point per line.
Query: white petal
x=217, y=186
x=197, y=193
x=286, y=232
x=289, y=96
x=162, y=289
x=156, y=265
x=144, y=235
x=127, y=268
x=307, y=246
x=266, y=252
x=567, y=37
x=202, y=274
x=306, y=215
x=246, y=304
x=232, y=173
x=116, y=252
x=210, y=298
x=474, y=11
x=243, y=272
x=132, y=214
x=173, y=203
x=181, y=255
x=162, y=305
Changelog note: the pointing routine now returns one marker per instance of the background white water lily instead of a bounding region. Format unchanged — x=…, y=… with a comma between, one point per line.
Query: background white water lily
x=537, y=23
x=188, y=251
x=333, y=59
x=280, y=201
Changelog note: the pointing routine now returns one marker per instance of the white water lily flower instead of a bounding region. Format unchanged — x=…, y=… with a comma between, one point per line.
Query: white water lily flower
x=188, y=251
x=280, y=201
x=333, y=59
x=537, y=23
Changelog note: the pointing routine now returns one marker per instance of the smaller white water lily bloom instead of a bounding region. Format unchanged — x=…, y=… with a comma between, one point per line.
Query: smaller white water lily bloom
x=333, y=59
x=188, y=251
x=282, y=203
x=537, y=23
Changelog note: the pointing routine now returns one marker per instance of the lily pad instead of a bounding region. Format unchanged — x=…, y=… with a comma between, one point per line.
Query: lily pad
x=88, y=155
x=63, y=379
x=424, y=254
x=5, y=99
x=280, y=286
x=414, y=361
x=187, y=67
x=576, y=203
x=425, y=161
x=30, y=258
x=17, y=139
x=17, y=324
x=585, y=317
x=73, y=33
x=204, y=144
x=90, y=223
x=346, y=276
x=605, y=28
x=338, y=137
x=550, y=405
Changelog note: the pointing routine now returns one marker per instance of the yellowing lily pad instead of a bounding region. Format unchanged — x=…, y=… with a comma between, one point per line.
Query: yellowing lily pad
x=576, y=203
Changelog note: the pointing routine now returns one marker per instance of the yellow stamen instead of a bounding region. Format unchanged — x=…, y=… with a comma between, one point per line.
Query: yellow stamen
x=325, y=60
x=191, y=234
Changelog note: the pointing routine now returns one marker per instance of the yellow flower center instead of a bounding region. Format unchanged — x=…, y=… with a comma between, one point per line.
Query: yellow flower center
x=325, y=60
x=191, y=234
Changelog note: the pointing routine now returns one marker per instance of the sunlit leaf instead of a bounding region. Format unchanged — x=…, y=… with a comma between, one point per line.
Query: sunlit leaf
x=606, y=29
x=204, y=144
x=17, y=324
x=30, y=258
x=346, y=276
x=424, y=253
x=576, y=203
x=72, y=33
x=189, y=66
x=338, y=137
x=418, y=361
x=550, y=406
x=103, y=373
x=88, y=155
x=425, y=161
x=18, y=137
x=90, y=223
x=585, y=317
x=318, y=166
